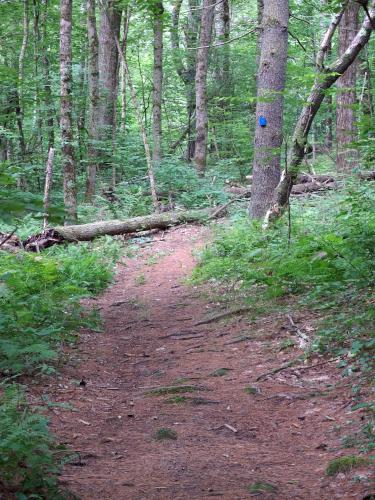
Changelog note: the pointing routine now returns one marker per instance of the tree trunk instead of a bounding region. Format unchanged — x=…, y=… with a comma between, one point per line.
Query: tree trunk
x=50, y=109
x=70, y=190
x=222, y=69
x=200, y=157
x=326, y=77
x=346, y=122
x=21, y=59
x=93, y=108
x=271, y=84
x=157, y=84
x=186, y=70
x=123, y=73
x=108, y=72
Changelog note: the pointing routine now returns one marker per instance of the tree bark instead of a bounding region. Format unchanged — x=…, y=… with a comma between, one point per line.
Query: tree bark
x=93, y=108
x=222, y=69
x=157, y=133
x=270, y=101
x=200, y=156
x=50, y=108
x=68, y=163
x=110, y=22
x=326, y=77
x=47, y=186
x=124, y=46
x=186, y=69
x=346, y=120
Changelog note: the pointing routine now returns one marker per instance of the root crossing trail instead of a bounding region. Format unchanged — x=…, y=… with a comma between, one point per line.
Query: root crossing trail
x=151, y=371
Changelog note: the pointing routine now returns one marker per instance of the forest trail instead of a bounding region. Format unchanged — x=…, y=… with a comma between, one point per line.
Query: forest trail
x=283, y=434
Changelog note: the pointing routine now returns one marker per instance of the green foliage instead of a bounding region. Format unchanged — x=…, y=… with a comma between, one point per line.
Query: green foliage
x=39, y=300
x=261, y=487
x=220, y=372
x=345, y=464
x=329, y=264
x=28, y=452
x=178, y=389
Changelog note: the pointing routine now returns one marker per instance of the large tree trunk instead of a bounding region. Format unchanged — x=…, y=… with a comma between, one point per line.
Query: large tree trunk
x=110, y=22
x=93, y=90
x=271, y=84
x=346, y=122
x=222, y=63
x=186, y=70
x=68, y=163
x=326, y=77
x=157, y=84
x=208, y=9
x=86, y=232
x=48, y=100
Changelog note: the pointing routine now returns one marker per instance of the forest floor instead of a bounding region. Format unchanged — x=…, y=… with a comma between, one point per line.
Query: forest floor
x=273, y=440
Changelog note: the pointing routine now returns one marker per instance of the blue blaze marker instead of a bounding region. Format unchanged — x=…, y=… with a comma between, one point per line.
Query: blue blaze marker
x=262, y=121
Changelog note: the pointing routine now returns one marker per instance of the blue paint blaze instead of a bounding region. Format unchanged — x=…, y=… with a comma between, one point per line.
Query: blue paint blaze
x=262, y=121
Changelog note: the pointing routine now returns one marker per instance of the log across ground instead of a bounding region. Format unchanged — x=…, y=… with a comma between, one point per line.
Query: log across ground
x=171, y=408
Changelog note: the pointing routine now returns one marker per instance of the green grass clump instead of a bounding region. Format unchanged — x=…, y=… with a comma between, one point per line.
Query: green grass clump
x=220, y=372
x=165, y=433
x=161, y=391
x=251, y=390
x=261, y=487
x=177, y=400
x=345, y=464
x=28, y=463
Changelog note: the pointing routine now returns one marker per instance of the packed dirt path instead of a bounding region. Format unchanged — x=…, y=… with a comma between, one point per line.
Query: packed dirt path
x=281, y=431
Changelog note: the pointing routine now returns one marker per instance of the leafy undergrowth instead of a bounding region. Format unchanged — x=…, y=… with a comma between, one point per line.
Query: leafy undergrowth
x=327, y=264
x=40, y=312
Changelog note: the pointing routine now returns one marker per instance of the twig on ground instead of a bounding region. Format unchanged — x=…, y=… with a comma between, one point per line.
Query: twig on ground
x=223, y=315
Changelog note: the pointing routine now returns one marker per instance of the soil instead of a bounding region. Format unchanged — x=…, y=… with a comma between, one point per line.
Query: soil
x=281, y=431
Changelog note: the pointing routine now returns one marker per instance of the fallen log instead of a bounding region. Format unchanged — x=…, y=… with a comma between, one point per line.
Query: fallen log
x=367, y=176
x=86, y=232
x=311, y=187
x=305, y=187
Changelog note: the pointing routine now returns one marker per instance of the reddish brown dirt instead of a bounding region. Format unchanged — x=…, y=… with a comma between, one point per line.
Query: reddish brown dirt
x=285, y=434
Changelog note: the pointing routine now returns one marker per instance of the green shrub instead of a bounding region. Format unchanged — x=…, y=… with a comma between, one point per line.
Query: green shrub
x=28, y=463
x=39, y=301
x=328, y=263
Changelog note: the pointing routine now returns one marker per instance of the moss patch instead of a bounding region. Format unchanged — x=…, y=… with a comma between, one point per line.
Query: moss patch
x=165, y=433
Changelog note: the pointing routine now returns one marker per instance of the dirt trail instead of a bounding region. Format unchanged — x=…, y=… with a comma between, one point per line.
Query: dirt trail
x=284, y=434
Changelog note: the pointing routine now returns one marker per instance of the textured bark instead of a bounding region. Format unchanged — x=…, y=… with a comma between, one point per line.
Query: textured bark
x=366, y=99
x=346, y=120
x=123, y=73
x=86, y=232
x=110, y=22
x=93, y=109
x=36, y=32
x=186, y=69
x=47, y=185
x=21, y=59
x=48, y=100
x=157, y=134
x=68, y=163
x=326, y=77
x=271, y=84
x=205, y=37
x=222, y=63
